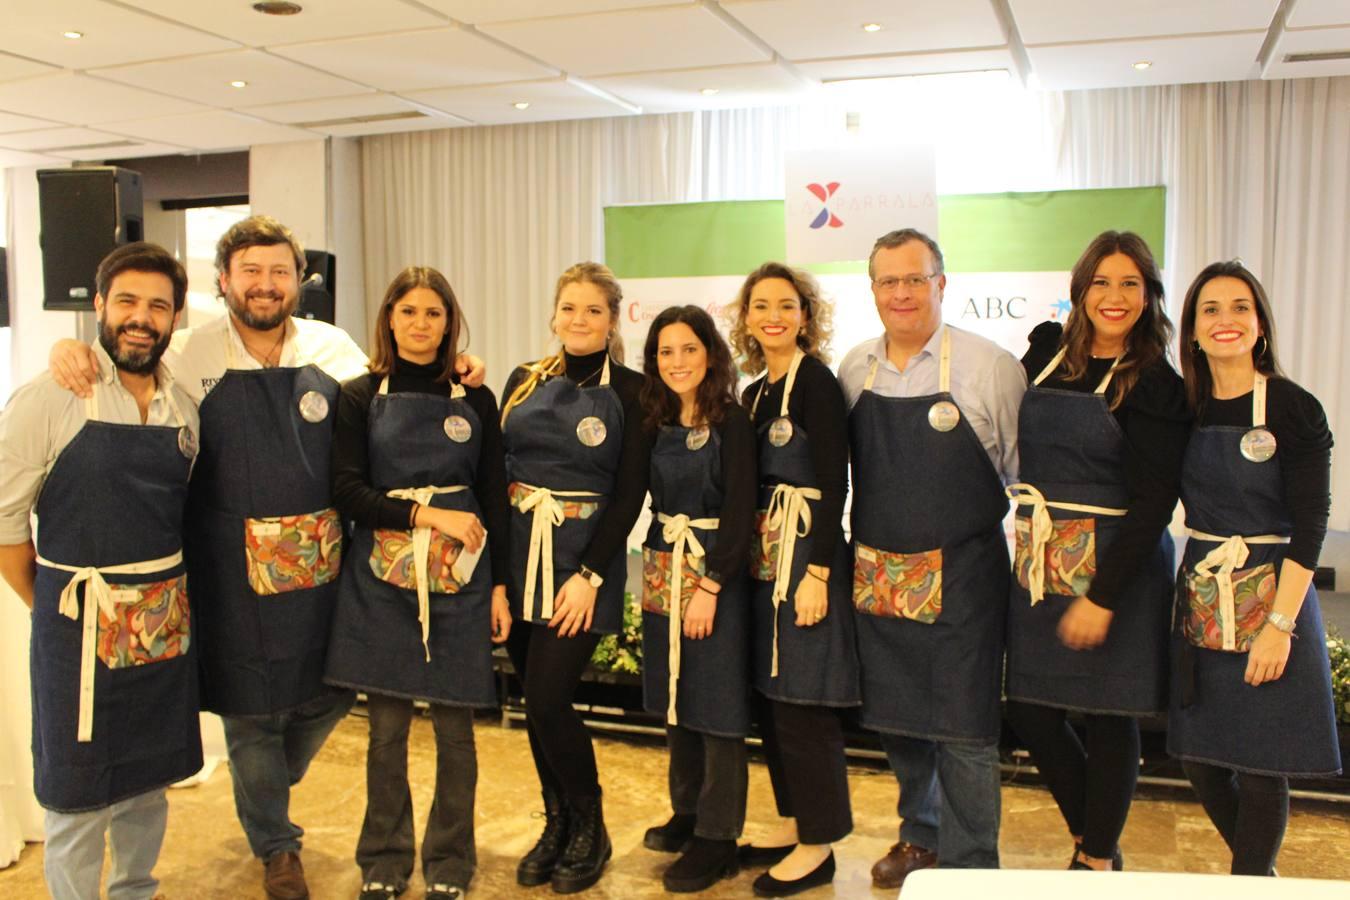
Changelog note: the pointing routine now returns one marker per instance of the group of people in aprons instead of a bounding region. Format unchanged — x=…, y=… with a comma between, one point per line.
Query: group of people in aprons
x=377, y=523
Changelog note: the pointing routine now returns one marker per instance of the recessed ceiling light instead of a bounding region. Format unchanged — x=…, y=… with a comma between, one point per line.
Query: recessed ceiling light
x=521, y=104
x=708, y=92
x=871, y=27
x=1143, y=64
x=277, y=8
x=72, y=35
x=238, y=84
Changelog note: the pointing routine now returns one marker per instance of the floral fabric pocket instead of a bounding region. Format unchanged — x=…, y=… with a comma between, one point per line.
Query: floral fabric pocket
x=572, y=508
x=656, y=580
x=898, y=585
x=1070, y=556
x=144, y=623
x=1253, y=596
x=765, y=549
x=392, y=560
x=292, y=553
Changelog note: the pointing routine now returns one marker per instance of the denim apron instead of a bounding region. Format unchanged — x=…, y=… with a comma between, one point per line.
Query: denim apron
x=930, y=572
x=1239, y=527
x=562, y=458
x=113, y=662
x=1072, y=455
x=265, y=543
x=704, y=684
x=816, y=664
x=409, y=622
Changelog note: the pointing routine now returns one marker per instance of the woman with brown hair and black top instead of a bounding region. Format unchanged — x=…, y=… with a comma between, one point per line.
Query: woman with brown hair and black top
x=805, y=658
x=577, y=462
x=417, y=467
x=695, y=597
x=1101, y=433
x=1251, y=689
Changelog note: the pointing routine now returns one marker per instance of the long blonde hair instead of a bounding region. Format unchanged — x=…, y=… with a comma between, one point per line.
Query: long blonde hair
x=538, y=372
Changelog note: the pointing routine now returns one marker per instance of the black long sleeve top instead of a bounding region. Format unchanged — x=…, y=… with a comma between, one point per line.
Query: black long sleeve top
x=630, y=484
x=1303, y=448
x=367, y=506
x=817, y=404
x=1157, y=424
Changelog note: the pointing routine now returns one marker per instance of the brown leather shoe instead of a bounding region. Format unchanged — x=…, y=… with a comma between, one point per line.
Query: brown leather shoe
x=903, y=858
x=284, y=877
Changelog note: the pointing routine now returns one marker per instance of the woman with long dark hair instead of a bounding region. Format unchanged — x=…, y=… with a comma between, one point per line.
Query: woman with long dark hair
x=1251, y=689
x=417, y=467
x=1101, y=433
x=695, y=602
x=577, y=461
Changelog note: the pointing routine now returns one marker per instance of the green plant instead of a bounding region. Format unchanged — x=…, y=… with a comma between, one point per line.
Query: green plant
x=1338, y=650
x=622, y=652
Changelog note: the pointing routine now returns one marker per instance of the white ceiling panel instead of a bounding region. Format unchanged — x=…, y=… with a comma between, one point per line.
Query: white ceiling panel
x=206, y=79
x=112, y=34
x=395, y=126
x=441, y=57
x=476, y=11
x=46, y=140
x=1318, y=40
x=907, y=64
x=637, y=40
x=10, y=158
x=14, y=67
x=129, y=150
x=761, y=84
x=81, y=100
x=10, y=122
x=209, y=130
x=319, y=20
x=372, y=104
x=809, y=29
x=1184, y=60
x=493, y=104
x=1055, y=21
x=1314, y=13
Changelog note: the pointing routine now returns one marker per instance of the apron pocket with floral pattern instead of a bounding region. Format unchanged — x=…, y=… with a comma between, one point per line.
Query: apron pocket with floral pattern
x=516, y=493
x=765, y=549
x=897, y=585
x=293, y=553
x=145, y=623
x=392, y=560
x=1253, y=597
x=656, y=580
x=1070, y=556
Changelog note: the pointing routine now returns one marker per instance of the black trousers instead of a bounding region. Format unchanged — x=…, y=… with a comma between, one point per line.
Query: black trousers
x=550, y=668
x=1250, y=811
x=385, y=849
x=1092, y=782
x=708, y=780
x=804, y=749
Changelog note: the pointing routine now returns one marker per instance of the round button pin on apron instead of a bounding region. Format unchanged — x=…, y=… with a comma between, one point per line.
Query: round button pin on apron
x=313, y=406
x=187, y=442
x=697, y=438
x=458, y=429
x=943, y=415
x=591, y=431
x=780, y=432
x=1258, y=445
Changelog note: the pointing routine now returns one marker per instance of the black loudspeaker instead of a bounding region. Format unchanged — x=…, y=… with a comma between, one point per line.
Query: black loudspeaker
x=4, y=288
x=85, y=213
x=318, y=294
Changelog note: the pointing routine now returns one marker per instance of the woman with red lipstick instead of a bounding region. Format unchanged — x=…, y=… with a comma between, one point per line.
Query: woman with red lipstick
x=1101, y=433
x=805, y=664
x=1251, y=689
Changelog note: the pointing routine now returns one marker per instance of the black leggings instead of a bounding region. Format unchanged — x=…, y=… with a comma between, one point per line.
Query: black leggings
x=1092, y=783
x=1250, y=811
x=550, y=669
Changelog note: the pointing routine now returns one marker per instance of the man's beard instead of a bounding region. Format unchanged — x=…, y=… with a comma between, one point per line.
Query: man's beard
x=133, y=361
x=239, y=307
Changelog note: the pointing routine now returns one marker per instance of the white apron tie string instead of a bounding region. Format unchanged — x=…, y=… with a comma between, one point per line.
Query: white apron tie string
x=789, y=512
x=1220, y=563
x=421, y=536
x=1043, y=527
x=678, y=531
x=548, y=515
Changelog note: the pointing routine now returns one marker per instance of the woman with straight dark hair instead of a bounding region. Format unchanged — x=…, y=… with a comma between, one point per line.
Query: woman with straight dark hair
x=1101, y=433
x=1251, y=688
x=695, y=598
x=417, y=468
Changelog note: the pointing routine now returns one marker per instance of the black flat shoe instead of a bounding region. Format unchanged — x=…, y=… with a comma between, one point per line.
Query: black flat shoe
x=1077, y=865
x=705, y=863
x=768, y=886
x=751, y=856
x=672, y=837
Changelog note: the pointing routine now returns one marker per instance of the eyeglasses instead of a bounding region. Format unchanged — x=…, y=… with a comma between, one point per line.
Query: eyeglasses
x=914, y=283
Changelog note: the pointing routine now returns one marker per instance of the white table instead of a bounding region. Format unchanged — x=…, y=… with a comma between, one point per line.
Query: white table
x=1035, y=884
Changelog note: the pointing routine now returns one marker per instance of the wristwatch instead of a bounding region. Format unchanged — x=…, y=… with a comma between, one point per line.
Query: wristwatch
x=1281, y=622
x=591, y=576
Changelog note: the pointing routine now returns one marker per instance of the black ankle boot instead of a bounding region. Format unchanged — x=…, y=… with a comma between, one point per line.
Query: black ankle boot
x=671, y=837
x=705, y=863
x=588, y=848
x=537, y=866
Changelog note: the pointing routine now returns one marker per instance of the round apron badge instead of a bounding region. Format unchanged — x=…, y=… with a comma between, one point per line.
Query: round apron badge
x=187, y=442
x=1258, y=445
x=591, y=431
x=697, y=437
x=780, y=431
x=458, y=429
x=313, y=406
x=943, y=415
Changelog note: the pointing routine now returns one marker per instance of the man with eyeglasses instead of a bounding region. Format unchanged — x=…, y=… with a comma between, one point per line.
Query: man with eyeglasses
x=933, y=431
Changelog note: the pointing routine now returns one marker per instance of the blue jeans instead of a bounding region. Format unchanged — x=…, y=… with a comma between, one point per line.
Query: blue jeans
x=73, y=858
x=270, y=754
x=949, y=798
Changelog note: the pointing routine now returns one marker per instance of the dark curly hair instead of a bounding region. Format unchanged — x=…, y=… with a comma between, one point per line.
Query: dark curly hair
x=717, y=391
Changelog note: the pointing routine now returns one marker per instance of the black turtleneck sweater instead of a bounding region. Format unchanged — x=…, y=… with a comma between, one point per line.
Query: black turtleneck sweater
x=369, y=507
x=630, y=483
